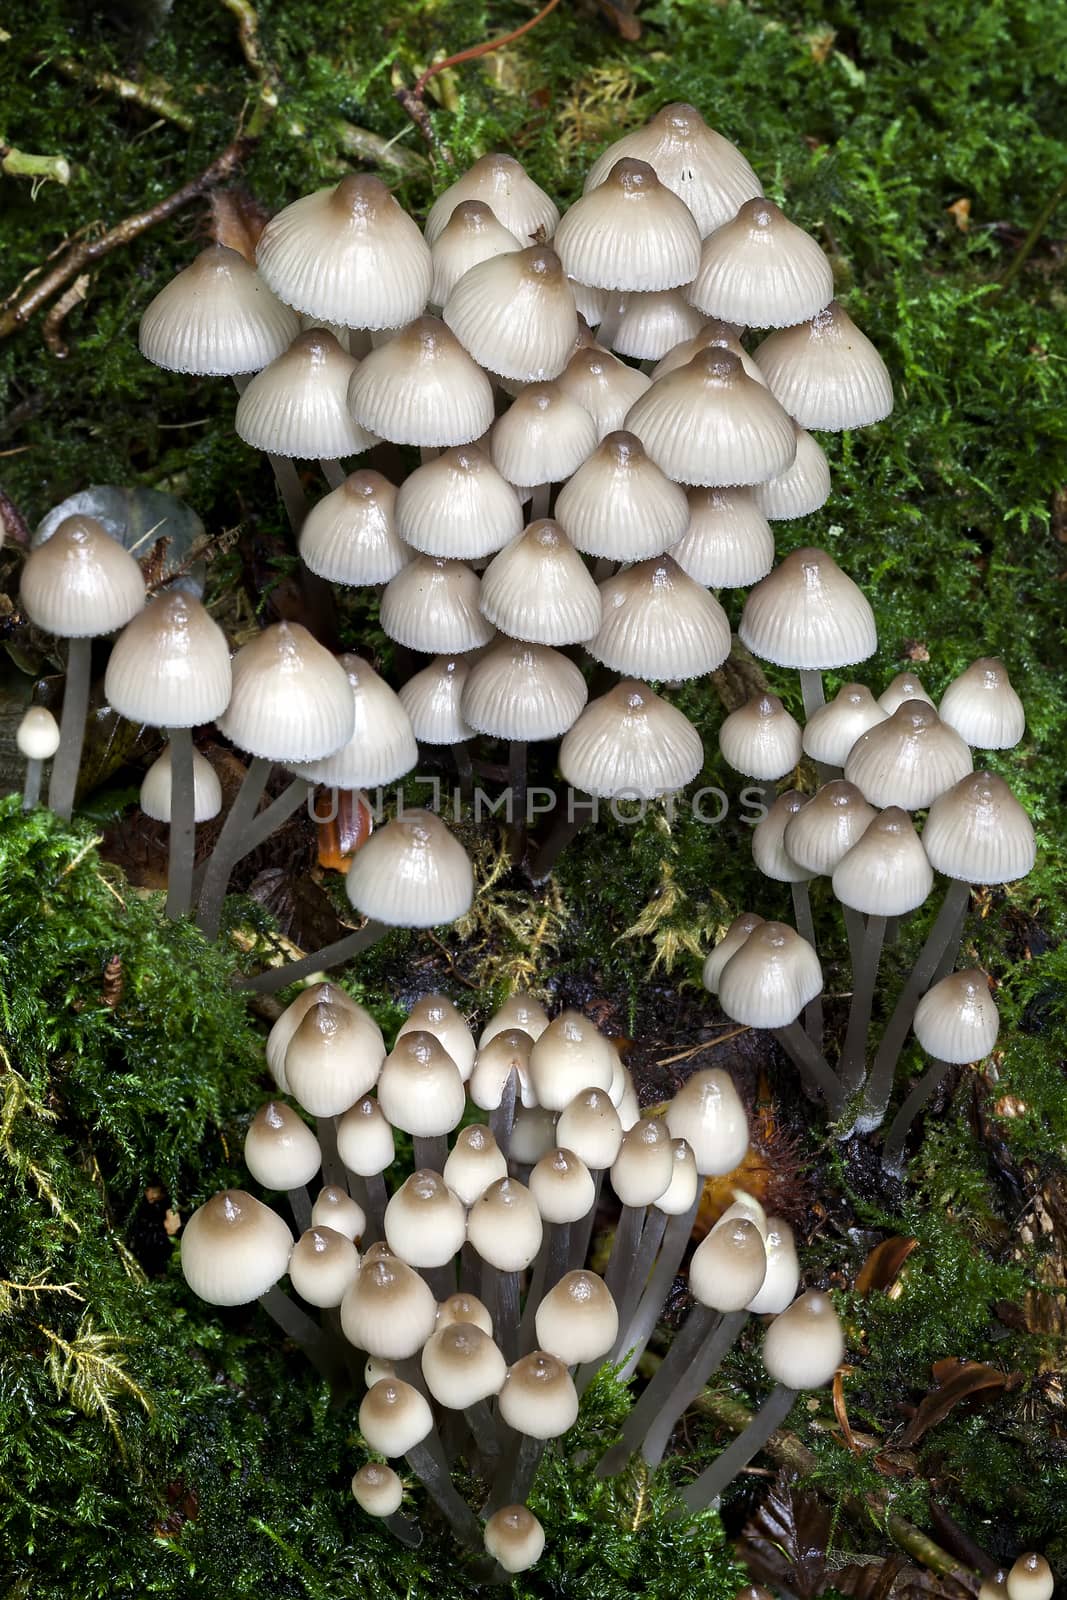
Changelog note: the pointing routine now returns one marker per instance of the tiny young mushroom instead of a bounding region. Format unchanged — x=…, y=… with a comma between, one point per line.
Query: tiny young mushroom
x=378, y=1491
x=37, y=738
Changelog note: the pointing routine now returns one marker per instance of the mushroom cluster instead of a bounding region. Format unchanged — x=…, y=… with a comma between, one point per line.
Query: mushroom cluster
x=464, y=1288
x=883, y=764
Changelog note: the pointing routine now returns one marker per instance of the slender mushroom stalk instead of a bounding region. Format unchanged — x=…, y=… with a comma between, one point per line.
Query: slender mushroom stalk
x=706, y=1490
x=812, y=1066
x=71, y=728
x=923, y=1090
x=379, y=1492
x=334, y=474
x=863, y=985
x=38, y=739
x=634, y=1338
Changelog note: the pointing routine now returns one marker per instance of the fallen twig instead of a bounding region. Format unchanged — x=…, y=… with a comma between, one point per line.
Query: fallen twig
x=155, y=100
x=485, y=48
x=248, y=37
x=21, y=164
x=53, y=322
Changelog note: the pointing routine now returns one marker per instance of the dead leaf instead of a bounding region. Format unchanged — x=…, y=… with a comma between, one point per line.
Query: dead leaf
x=785, y=1542
x=882, y=1267
x=896, y=1579
x=960, y=212
x=956, y=1381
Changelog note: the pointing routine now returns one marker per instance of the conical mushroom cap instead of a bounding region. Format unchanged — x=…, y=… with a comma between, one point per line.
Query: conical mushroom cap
x=411, y=874
x=657, y=623
x=80, y=583
x=349, y=254
x=760, y=739
x=957, y=1020
x=234, y=1249
x=433, y=700
x=979, y=833
x=983, y=707
x=804, y=1346
x=1030, y=1578
x=630, y=232
x=216, y=319
x=291, y=701
x=421, y=387
x=523, y=691
x=280, y=1150
x=515, y=315
x=514, y=1538
x=826, y=828
x=769, y=853
x=382, y=746
x=435, y=1013
x=543, y=437
x=833, y=729
x=538, y=589
x=648, y=326
x=909, y=759
x=458, y=506
x=886, y=873
x=771, y=978
x=433, y=605
x=37, y=736
x=170, y=666
x=425, y=1223
x=728, y=543
x=603, y=386
x=350, y=535
x=388, y=1310
x=707, y=1112
x=721, y=335
x=620, y=505
x=808, y=614
x=577, y=1320
x=630, y=743
x=801, y=488
x=729, y=1265
x=905, y=686
x=728, y=945
x=826, y=373
x=570, y=1055
x=420, y=1087
x=471, y=235
x=503, y=185
x=761, y=270
x=298, y=406
x=156, y=796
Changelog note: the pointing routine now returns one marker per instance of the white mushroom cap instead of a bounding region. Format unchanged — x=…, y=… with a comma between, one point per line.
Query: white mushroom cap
x=724, y=335
x=908, y=760
x=538, y=1397
x=458, y=506
x=533, y=1133
x=783, y=1270
x=280, y=1150
x=420, y=1088
x=291, y=700
x=644, y=1166
x=156, y=786
x=514, y=1538
x=603, y=386
x=827, y=827
x=519, y=1010
x=411, y=874
x=170, y=666
x=807, y=613
x=523, y=691
x=1030, y=1578
x=425, y=1223
x=577, y=1320
x=728, y=945
x=979, y=833
x=280, y=1034
x=653, y=323
x=332, y=1059
x=590, y=1126
x=349, y=254
x=769, y=850
x=298, y=406
x=216, y=319
x=474, y=1162
x=334, y=1208
x=503, y=185
x=729, y=1265
x=760, y=269
x=631, y=743
x=382, y=746
x=80, y=583
x=464, y=1308
x=322, y=1266
x=542, y=437
x=770, y=979
x=563, y=1188
x=394, y=1417
x=435, y=1013
x=681, y=1192
x=761, y=739
x=957, y=1020
x=886, y=873
x=571, y=1054
x=620, y=505
x=983, y=707
x=434, y=605
x=377, y=1490
x=804, y=1346
x=802, y=488
x=515, y=315
x=833, y=729
x=37, y=735
x=388, y=1310
x=504, y=1226
x=826, y=373
x=994, y=1586
x=234, y=1249
x=365, y=1139
x=657, y=623
x=471, y=234
x=433, y=700
x=498, y=1057
x=462, y=1365
x=350, y=535
x=905, y=686
x=728, y=543
x=707, y=1112
x=421, y=387
x=538, y=589
x=629, y=232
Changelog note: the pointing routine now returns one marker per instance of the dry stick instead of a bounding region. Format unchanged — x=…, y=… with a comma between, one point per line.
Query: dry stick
x=182, y=823
x=676, y=1363
x=806, y=929
x=864, y=979
x=161, y=105
x=706, y=1489
x=642, y=1324
x=330, y=955
x=717, y=1345
x=483, y=49
x=893, y=1149
x=812, y=1065
x=64, y=781
x=227, y=846
x=942, y=940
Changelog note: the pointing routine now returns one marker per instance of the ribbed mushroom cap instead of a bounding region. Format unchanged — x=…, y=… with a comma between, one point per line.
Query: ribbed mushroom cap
x=281, y=1033
x=543, y=437
x=833, y=729
x=657, y=623
x=411, y=874
x=761, y=739
x=504, y=1225
x=804, y=1346
x=216, y=319
x=377, y=1490
x=723, y=335
x=425, y=1223
x=333, y=1059
x=502, y=184
x=515, y=315
x=708, y=1114
x=577, y=1320
x=886, y=872
x=156, y=789
x=983, y=707
x=394, y=1417
x=436, y=1014
x=538, y=589
x=350, y=536
x=650, y=325
x=462, y=1365
x=728, y=543
x=631, y=743
x=681, y=1192
x=37, y=737
x=519, y=1010
x=563, y=1188
x=498, y=1058
x=464, y=1309
x=458, y=506
x=350, y=254
x=979, y=833
x=291, y=700
x=644, y=1166
x=523, y=691
x=957, y=1020
x=322, y=1266
x=514, y=1538
x=908, y=760
x=604, y=387
x=705, y=170
x=474, y=1162
x=769, y=852
x=770, y=979
x=280, y=1150
x=80, y=583
x=826, y=828
x=802, y=488
x=335, y=1209
x=1030, y=1578
x=432, y=605
x=783, y=1270
x=472, y=234
x=761, y=270
x=591, y=305
x=905, y=686
x=420, y=1089
x=620, y=505
x=365, y=1138
x=826, y=373
x=538, y=1397
x=590, y=1126
x=728, y=945
x=808, y=614
x=630, y=232
x=234, y=1248
x=382, y=746
x=533, y=1134
x=421, y=387
x=388, y=1310
x=729, y=1265
x=298, y=406
x=571, y=1054
x=433, y=699
x=711, y=425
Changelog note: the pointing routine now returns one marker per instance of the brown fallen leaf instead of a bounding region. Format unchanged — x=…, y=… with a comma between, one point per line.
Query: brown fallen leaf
x=960, y=212
x=785, y=1543
x=882, y=1267
x=956, y=1381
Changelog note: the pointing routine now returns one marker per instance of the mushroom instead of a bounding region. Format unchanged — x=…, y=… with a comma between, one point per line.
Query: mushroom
x=458, y=506
x=603, y=386
x=514, y=1538
x=826, y=373
x=472, y=234
x=501, y=183
x=515, y=315
x=543, y=436
x=619, y=505
x=378, y=1491
x=422, y=388
x=761, y=270
x=37, y=738
x=728, y=543
x=351, y=537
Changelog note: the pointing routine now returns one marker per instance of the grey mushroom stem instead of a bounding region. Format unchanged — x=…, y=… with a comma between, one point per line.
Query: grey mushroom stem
x=461, y=755
x=304, y=1331
x=540, y=500
x=559, y=837
x=923, y=1090
x=813, y=1025
x=812, y=1066
x=811, y=690
x=31, y=788
x=431, y=1151
x=182, y=823
x=228, y=846
x=582, y=1232
x=671, y=1371
x=864, y=979
x=552, y=1261
x=265, y=822
x=623, y=1249
x=502, y=1116
x=706, y=1489
x=331, y=955
x=333, y=472
x=433, y=1475
x=68, y=757
x=635, y=1336
x=517, y=758
x=404, y=1530
x=500, y=1293
x=716, y=1346
x=300, y=1205
x=333, y=1168
x=483, y=1429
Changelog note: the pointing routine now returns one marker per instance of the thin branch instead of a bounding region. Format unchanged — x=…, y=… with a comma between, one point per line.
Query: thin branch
x=21, y=164
x=251, y=49
x=155, y=100
x=1025, y=250
x=485, y=48
x=53, y=322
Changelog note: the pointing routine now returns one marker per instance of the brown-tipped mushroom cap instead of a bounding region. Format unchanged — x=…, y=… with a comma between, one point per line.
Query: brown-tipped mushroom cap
x=365, y=1139
x=471, y=235
x=518, y=1011
x=644, y=1166
x=909, y=759
x=334, y=1208
x=420, y=1089
x=827, y=827
x=957, y=1020
x=523, y=691
x=498, y=1058
x=425, y=1224
x=620, y=505
x=504, y=1226
x=728, y=543
x=332, y=1059
x=474, y=1162
x=979, y=833
x=464, y=1308
x=657, y=623
x=515, y=315
x=436, y=1014
x=761, y=270
x=80, y=583
x=783, y=1270
x=170, y=667
x=769, y=850
x=571, y=1054
x=514, y=1538
x=905, y=686
x=388, y=1310
x=377, y=1490
x=631, y=743
x=760, y=739
x=501, y=183
x=724, y=335
x=563, y=1188
x=433, y=700
x=538, y=589
x=804, y=1347
x=708, y=1114
x=833, y=729
x=630, y=232
x=411, y=874
x=603, y=386
x=802, y=488
x=394, y=1417
x=728, y=945
x=282, y=1032
x=422, y=388
x=729, y=1266
x=808, y=614
x=577, y=1320
x=350, y=535
x=234, y=1248
x=298, y=406
x=886, y=872
x=826, y=373
x=458, y=506
x=650, y=325
x=770, y=979
x=433, y=605
x=983, y=707
x=291, y=700
x=538, y=1397
x=543, y=437
x=280, y=1150
x=216, y=319
x=322, y=1266
x=590, y=1126
x=1030, y=1578
x=462, y=1365
x=382, y=746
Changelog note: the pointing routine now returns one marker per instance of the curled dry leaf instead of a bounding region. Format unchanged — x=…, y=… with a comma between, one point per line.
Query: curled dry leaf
x=882, y=1267
x=956, y=1381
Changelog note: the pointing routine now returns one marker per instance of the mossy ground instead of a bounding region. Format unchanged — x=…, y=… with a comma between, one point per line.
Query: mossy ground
x=869, y=123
